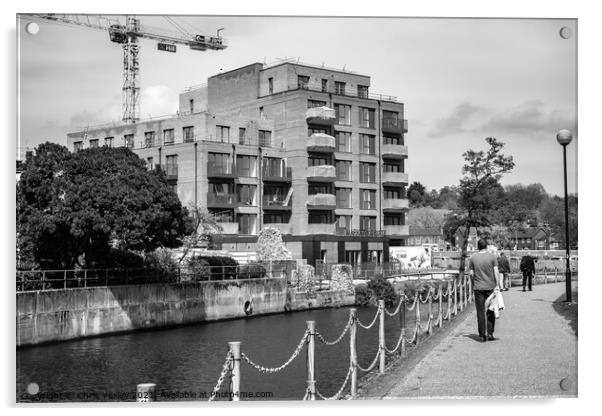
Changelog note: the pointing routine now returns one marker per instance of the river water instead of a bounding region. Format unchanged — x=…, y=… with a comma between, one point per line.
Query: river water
x=185, y=362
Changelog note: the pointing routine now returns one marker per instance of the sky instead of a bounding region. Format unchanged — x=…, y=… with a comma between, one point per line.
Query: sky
x=461, y=80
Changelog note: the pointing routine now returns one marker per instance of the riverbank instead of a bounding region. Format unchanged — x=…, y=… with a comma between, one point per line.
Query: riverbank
x=65, y=314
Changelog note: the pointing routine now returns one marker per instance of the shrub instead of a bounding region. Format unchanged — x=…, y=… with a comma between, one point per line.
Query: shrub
x=252, y=271
x=212, y=267
x=163, y=262
x=363, y=295
x=342, y=278
x=381, y=288
x=270, y=246
x=306, y=279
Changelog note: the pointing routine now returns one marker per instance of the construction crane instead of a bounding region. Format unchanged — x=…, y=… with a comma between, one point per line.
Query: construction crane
x=127, y=35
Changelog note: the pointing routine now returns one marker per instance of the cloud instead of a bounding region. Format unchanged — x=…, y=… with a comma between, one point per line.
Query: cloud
x=455, y=123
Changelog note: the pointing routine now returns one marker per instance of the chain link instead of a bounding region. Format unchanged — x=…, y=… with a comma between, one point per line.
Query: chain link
x=373, y=321
x=338, y=393
x=415, y=336
x=339, y=339
x=411, y=308
x=222, y=376
x=428, y=295
x=396, y=310
x=365, y=370
x=269, y=370
x=397, y=345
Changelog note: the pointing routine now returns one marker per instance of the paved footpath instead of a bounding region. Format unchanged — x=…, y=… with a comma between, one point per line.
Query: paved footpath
x=535, y=355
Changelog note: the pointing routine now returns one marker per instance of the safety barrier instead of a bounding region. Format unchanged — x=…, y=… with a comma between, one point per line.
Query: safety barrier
x=545, y=274
x=458, y=293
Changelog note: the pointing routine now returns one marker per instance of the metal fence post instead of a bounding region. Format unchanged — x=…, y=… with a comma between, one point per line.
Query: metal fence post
x=555, y=274
x=310, y=363
x=440, y=318
x=145, y=392
x=85, y=277
x=429, y=328
x=65, y=279
x=545, y=275
x=235, y=370
x=402, y=322
x=455, y=296
x=449, y=300
x=381, y=336
x=417, y=300
x=353, y=351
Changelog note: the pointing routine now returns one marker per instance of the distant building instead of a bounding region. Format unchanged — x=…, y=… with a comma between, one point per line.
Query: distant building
x=303, y=148
x=473, y=237
x=419, y=236
x=533, y=238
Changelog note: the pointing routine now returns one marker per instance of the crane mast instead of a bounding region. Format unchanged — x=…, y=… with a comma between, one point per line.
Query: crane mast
x=128, y=35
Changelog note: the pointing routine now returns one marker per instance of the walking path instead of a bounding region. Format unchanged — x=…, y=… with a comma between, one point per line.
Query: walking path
x=535, y=355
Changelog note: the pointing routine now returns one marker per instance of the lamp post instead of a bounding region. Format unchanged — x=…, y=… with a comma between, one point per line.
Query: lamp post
x=564, y=137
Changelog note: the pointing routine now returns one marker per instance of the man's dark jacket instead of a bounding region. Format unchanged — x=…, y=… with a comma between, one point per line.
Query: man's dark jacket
x=527, y=264
x=503, y=264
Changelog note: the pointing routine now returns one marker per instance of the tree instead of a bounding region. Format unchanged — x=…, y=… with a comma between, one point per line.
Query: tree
x=203, y=225
x=416, y=194
x=74, y=208
x=480, y=189
x=498, y=236
x=426, y=217
x=270, y=246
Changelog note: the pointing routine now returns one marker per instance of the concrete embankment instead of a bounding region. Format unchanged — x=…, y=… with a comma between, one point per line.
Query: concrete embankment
x=63, y=314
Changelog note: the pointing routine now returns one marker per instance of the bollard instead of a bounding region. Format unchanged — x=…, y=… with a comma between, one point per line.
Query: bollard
x=353, y=352
x=235, y=371
x=310, y=363
x=440, y=319
x=381, y=336
x=429, y=328
x=417, y=317
x=455, y=296
x=461, y=286
x=545, y=275
x=555, y=274
x=402, y=323
x=145, y=392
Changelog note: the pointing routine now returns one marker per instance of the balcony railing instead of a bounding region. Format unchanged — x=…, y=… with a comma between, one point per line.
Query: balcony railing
x=277, y=175
x=321, y=201
x=229, y=227
x=324, y=173
x=401, y=230
x=360, y=233
x=395, y=151
x=320, y=142
x=395, y=177
x=395, y=204
x=219, y=169
x=276, y=202
x=214, y=199
x=321, y=115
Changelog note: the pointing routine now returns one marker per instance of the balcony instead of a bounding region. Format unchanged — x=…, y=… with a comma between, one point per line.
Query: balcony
x=397, y=230
x=313, y=229
x=228, y=227
x=394, y=151
x=394, y=125
x=360, y=233
x=322, y=173
x=320, y=142
x=394, y=205
x=278, y=175
x=321, y=115
x=215, y=170
x=285, y=228
x=322, y=201
x=221, y=200
x=276, y=203
x=394, y=178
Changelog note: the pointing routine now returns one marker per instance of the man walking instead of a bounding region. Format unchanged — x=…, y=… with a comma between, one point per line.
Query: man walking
x=504, y=268
x=527, y=266
x=483, y=267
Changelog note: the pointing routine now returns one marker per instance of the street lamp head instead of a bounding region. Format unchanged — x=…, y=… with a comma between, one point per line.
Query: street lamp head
x=564, y=136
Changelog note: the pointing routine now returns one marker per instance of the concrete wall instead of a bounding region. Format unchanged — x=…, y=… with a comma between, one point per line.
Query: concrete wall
x=57, y=315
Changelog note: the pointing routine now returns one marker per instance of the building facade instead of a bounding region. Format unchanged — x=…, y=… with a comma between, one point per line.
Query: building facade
x=305, y=149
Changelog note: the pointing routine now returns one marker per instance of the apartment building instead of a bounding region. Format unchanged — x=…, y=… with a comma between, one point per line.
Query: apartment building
x=306, y=149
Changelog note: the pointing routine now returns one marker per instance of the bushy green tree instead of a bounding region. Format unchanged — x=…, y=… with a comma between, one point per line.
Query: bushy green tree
x=72, y=208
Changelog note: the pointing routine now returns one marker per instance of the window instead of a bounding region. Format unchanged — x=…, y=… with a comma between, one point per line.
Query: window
x=362, y=91
x=366, y=117
x=77, y=146
x=311, y=130
x=391, y=140
x=273, y=167
x=302, y=82
x=319, y=217
x=109, y=141
x=339, y=88
x=315, y=103
x=367, y=172
x=93, y=143
x=275, y=218
x=246, y=166
x=242, y=135
x=367, y=144
x=246, y=223
x=343, y=170
x=319, y=188
x=391, y=119
x=393, y=219
x=222, y=133
x=191, y=106
x=393, y=193
x=246, y=194
x=367, y=223
x=149, y=139
x=318, y=161
x=168, y=137
x=150, y=165
x=219, y=163
x=343, y=222
x=391, y=167
x=343, y=113
x=343, y=197
x=270, y=86
x=128, y=140
x=324, y=85
x=343, y=139
x=274, y=195
x=171, y=165
x=265, y=138
x=188, y=133
x=368, y=199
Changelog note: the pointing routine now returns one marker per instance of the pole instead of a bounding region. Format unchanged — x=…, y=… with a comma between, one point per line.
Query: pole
x=449, y=300
x=569, y=295
x=455, y=296
x=429, y=327
x=311, y=382
x=417, y=316
x=440, y=319
x=381, y=336
x=460, y=285
x=402, y=323
x=145, y=392
x=235, y=371
x=353, y=352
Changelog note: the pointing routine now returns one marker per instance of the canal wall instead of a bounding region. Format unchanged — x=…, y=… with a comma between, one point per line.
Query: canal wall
x=63, y=314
